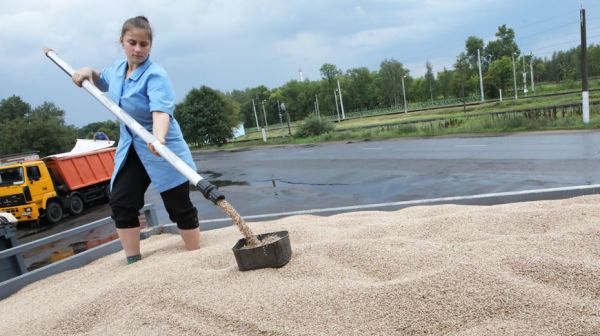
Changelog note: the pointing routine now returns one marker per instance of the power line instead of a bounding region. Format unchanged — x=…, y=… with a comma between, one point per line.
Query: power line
x=574, y=23
x=562, y=43
x=540, y=21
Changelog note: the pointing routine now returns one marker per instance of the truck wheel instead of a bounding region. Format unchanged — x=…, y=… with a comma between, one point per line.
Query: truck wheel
x=76, y=205
x=54, y=212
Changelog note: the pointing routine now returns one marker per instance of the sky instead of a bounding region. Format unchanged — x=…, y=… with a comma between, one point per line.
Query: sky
x=237, y=44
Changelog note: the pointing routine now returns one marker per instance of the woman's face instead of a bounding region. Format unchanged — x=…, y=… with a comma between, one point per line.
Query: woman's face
x=136, y=44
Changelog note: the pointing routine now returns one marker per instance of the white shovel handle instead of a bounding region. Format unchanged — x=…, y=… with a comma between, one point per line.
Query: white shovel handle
x=206, y=188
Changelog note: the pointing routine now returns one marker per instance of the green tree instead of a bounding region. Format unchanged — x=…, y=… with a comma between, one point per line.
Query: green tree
x=444, y=80
x=207, y=116
x=460, y=83
x=299, y=97
x=391, y=72
x=329, y=71
x=473, y=44
x=110, y=127
x=360, y=91
x=503, y=45
x=500, y=74
x=14, y=107
x=43, y=130
x=429, y=84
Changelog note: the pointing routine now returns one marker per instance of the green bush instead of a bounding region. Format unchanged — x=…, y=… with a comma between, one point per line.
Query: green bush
x=313, y=126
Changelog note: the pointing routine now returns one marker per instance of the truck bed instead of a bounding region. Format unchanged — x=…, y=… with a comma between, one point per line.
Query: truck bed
x=83, y=169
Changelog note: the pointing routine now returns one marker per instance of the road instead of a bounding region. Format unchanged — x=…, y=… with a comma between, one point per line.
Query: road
x=288, y=178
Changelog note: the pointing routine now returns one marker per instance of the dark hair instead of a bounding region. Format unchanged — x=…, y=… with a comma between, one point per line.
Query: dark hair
x=140, y=22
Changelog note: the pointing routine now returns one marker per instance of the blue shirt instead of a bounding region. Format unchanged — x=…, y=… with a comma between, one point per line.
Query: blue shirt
x=148, y=89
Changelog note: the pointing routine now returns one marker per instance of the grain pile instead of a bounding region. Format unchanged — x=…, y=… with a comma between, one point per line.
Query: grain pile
x=518, y=269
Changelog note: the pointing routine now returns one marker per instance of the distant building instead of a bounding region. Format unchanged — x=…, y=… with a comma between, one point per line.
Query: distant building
x=239, y=131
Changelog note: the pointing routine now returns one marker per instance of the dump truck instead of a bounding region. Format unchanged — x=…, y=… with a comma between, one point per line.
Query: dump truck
x=34, y=189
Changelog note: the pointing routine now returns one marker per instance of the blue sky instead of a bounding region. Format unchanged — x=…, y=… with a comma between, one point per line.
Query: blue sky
x=236, y=44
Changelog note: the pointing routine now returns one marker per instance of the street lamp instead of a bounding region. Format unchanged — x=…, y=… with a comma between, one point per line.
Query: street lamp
x=514, y=74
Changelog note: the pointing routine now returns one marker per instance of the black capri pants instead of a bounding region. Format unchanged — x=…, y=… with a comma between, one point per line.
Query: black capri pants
x=127, y=197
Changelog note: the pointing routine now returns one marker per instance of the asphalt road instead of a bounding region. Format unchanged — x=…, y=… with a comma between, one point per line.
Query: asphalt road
x=288, y=178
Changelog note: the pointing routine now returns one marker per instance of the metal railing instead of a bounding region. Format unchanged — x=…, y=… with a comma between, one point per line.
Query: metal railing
x=76, y=260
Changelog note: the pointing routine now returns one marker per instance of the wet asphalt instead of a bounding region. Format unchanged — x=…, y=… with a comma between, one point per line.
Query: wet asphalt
x=277, y=179
x=289, y=178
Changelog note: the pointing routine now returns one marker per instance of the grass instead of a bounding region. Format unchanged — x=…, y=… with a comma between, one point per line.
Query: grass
x=450, y=120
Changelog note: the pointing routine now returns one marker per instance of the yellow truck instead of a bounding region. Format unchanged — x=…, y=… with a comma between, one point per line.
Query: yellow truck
x=34, y=189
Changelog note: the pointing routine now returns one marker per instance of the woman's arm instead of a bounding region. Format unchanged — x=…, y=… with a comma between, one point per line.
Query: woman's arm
x=160, y=127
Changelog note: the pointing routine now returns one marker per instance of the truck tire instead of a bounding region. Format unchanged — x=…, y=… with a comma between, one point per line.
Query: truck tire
x=76, y=204
x=54, y=212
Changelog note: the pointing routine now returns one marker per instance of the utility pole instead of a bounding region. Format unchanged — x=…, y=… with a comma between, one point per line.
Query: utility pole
x=317, y=107
x=255, y=115
x=341, y=101
x=500, y=94
x=585, y=94
x=524, y=78
x=531, y=70
x=287, y=116
x=404, y=94
x=336, y=104
x=265, y=114
x=280, y=118
x=430, y=91
x=480, y=78
x=514, y=75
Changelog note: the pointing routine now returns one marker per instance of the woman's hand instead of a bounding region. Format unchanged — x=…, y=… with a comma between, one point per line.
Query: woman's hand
x=84, y=74
x=152, y=149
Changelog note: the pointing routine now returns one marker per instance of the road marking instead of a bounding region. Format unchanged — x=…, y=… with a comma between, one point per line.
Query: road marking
x=471, y=145
x=413, y=202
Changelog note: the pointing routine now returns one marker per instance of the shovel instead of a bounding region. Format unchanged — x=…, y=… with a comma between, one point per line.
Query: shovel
x=252, y=252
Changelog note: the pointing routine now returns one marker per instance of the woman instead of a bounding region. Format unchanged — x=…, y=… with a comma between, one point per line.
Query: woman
x=143, y=89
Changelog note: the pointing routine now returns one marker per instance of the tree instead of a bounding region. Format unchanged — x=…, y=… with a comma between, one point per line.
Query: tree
x=13, y=107
x=429, y=83
x=444, y=80
x=459, y=83
x=500, y=72
x=329, y=71
x=503, y=45
x=207, y=116
x=110, y=127
x=391, y=72
x=299, y=97
x=361, y=93
x=43, y=130
x=473, y=44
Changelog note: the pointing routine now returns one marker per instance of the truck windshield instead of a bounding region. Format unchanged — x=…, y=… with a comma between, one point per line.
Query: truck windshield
x=9, y=176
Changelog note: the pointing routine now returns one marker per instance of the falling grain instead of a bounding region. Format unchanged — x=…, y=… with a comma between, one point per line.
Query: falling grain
x=239, y=222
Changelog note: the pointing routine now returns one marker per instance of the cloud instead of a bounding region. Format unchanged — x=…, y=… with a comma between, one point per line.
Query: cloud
x=235, y=44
